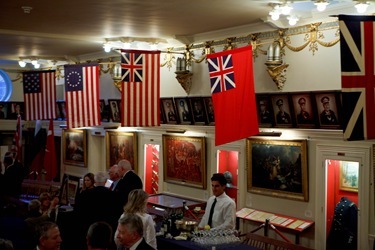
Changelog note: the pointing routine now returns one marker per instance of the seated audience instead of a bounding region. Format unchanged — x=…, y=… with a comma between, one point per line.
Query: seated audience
x=137, y=204
x=130, y=233
x=48, y=235
x=48, y=205
x=221, y=209
x=99, y=236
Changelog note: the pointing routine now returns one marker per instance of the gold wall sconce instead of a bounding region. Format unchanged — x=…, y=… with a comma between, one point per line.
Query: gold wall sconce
x=275, y=67
x=183, y=76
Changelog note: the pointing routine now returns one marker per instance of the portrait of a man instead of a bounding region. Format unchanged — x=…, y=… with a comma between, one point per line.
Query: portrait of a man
x=327, y=109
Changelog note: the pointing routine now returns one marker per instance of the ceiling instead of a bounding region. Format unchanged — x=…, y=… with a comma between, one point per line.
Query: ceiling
x=74, y=30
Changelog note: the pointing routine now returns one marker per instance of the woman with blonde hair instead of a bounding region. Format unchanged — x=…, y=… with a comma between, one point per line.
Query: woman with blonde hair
x=137, y=204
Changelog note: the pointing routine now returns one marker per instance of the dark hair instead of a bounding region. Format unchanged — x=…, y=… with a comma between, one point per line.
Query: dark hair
x=220, y=178
x=99, y=235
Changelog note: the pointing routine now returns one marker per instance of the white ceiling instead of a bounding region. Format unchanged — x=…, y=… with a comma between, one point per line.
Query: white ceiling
x=72, y=30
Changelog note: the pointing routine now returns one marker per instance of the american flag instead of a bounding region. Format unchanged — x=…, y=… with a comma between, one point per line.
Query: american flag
x=221, y=73
x=82, y=95
x=140, y=99
x=357, y=76
x=39, y=90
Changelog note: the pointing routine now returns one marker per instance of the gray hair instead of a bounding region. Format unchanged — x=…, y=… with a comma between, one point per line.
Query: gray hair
x=133, y=223
x=100, y=177
x=34, y=205
x=125, y=165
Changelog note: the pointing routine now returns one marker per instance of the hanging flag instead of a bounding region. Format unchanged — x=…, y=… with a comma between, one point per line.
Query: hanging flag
x=39, y=90
x=50, y=162
x=357, y=76
x=140, y=98
x=37, y=151
x=17, y=140
x=232, y=88
x=82, y=95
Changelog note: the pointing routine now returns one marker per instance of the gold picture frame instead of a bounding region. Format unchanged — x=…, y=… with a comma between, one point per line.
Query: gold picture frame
x=278, y=168
x=122, y=146
x=185, y=160
x=349, y=174
x=74, y=147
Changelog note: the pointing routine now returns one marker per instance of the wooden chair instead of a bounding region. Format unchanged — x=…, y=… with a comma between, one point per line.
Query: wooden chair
x=266, y=243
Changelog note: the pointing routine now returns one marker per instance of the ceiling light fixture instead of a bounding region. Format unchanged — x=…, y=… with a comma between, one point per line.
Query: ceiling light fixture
x=361, y=6
x=321, y=5
x=107, y=47
x=22, y=64
x=37, y=65
x=286, y=9
x=34, y=62
x=292, y=20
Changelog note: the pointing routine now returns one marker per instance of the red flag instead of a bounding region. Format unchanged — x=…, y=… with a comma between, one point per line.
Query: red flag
x=232, y=88
x=140, y=99
x=82, y=95
x=17, y=140
x=358, y=76
x=39, y=90
x=50, y=162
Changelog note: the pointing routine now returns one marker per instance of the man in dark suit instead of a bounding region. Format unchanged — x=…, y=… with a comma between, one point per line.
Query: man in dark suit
x=130, y=233
x=128, y=182
x=99, y=236
x=282, y=117
x=13, y=175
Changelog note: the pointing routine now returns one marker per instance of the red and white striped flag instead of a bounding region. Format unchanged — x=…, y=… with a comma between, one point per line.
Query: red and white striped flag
x=39, y=90
x=82, y=95
x=140, y=99
x=50, y=162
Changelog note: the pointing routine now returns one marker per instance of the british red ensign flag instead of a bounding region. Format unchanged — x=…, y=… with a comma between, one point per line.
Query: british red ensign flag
x=233, y=96
x=82, y=95
x=140, y=98
x=39, y=88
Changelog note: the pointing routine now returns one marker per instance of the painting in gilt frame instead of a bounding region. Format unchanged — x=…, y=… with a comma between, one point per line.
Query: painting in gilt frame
x=121, y=146
x=74, y=147
x=349, y=174
x=185, y=160
x=327, y=105
x=278, y=168
x=69, y=189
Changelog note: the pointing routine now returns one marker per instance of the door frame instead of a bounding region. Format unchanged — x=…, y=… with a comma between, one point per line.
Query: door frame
x=359, y=153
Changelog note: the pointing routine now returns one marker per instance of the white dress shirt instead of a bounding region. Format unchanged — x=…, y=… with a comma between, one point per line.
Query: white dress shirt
x=224, y=216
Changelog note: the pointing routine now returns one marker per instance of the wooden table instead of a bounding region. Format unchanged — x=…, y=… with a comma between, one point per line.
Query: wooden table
x=274, y=221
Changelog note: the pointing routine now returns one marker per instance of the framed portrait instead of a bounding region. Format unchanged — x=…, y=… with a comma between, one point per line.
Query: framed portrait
x=69, y=189
x=198, y=110
x=328, y=106
x=183, y=110
x=15, y=109
x=114, y=107
x=121, y=146
x=74, y=147
x=58, y=112
x=265, y=112
x=62, y=111
x=282, y=111
x=278, y=168
x=3, y=110
x=169, y=110
x=349, y=174
x=303, y=106
x=185, y=160
x=104, y=112
x=209, y=107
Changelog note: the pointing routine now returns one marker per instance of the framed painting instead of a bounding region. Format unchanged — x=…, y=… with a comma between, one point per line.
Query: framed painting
x=198, y=111
x=328, y=106
x=265, y=112
x=185, y=160
x=169, y=110
x=3, y=110
x=303, y=106
x=104, y=112
x=183, y=110
x=282, y=111
x=349, y=174
x=15, y=109
x=74, y=147
x=209, y=106
x=278, y=168
x=62, y=111
x=121, y=146
x=114, y=106
x=69, y=189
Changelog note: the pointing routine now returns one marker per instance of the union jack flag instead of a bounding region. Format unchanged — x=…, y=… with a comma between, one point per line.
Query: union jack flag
x=357, y=76
x=132, y=67
x=221, y=73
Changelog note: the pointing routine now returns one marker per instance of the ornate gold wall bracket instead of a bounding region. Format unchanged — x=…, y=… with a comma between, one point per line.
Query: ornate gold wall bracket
x=185, y=79
x=278, y=74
